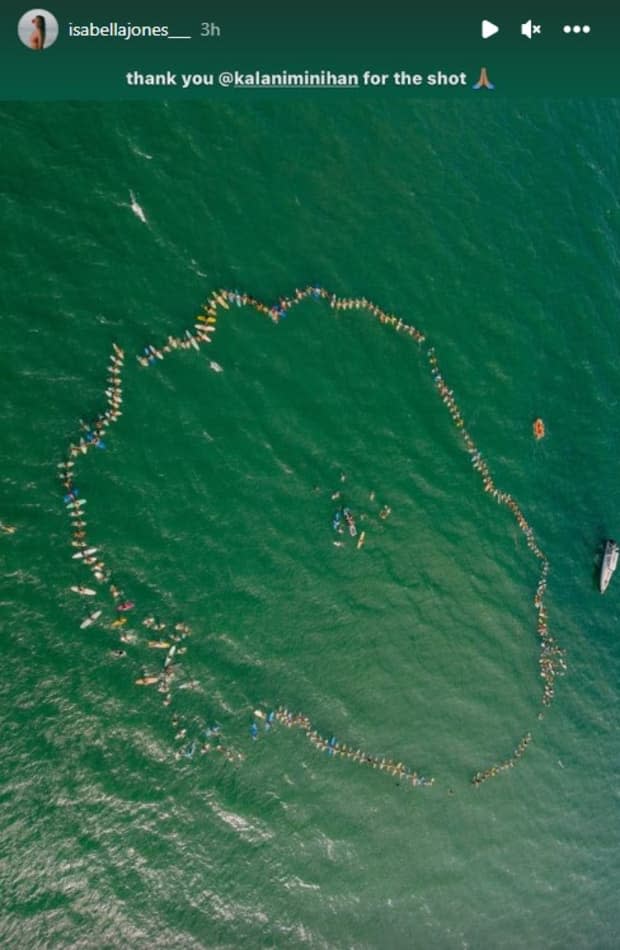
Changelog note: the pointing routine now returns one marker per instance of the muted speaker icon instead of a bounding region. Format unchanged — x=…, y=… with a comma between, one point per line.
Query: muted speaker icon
x=530, y=29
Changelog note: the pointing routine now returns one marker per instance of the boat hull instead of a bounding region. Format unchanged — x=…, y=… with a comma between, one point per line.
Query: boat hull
x=609, y=565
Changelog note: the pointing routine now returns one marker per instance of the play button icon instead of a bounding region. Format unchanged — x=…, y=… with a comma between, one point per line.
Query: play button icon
x=488, y=29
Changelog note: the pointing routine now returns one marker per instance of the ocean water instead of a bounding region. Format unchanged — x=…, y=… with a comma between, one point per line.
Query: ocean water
x=492, y=228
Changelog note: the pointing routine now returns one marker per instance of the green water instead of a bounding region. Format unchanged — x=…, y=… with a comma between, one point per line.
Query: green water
x=495, y=230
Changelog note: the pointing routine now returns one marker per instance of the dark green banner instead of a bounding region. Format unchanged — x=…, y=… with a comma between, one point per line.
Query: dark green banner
x=185, y=51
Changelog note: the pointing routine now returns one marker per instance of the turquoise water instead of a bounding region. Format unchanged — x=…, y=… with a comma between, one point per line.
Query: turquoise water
x=496, y=233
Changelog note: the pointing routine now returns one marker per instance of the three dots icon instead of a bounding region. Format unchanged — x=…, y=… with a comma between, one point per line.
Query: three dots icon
x=576, y=29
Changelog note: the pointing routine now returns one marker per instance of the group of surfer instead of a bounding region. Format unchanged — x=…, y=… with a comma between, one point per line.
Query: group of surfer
x=174, y=646
x=361, y=303
x=332, y=747
x=92, y=438
x=508, y=763
x=344, y=517
x=205, y=327
x=281, y=309
x=208, y=739
x=551, y=658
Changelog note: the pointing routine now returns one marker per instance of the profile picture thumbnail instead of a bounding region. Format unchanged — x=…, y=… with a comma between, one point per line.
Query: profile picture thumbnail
x=38, y=29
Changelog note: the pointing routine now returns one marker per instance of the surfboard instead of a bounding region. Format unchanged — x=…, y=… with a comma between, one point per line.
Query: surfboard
x=90, y=620
x=86, y=553
x=146, y=680
x=135, y=207
x=192, y=340
x=159, y=644
x=85, y=591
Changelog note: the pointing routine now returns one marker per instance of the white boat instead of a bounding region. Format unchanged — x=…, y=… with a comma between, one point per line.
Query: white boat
x=609, y=565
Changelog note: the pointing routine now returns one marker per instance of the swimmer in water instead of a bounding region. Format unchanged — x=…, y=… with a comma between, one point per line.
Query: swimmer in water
x=37, y=37
x=7, y=528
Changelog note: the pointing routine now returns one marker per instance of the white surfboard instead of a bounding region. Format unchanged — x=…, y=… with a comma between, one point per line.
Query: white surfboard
x=135, y=207
x=90, y=620
x=86, y=553
x=192, y=340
